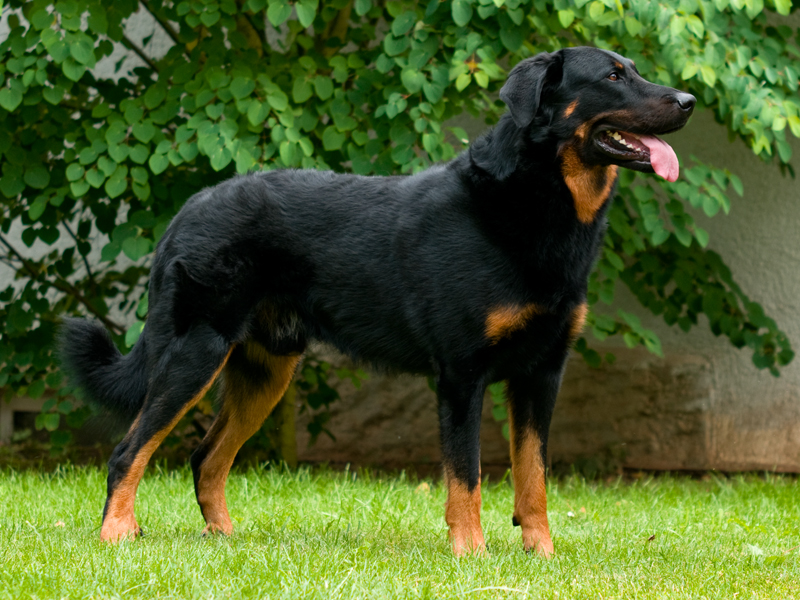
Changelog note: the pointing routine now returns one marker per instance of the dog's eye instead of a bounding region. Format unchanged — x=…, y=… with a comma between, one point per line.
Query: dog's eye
x=614, y=76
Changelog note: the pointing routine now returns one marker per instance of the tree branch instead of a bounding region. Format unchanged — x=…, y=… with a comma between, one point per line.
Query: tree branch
x=65, y=287
x=83, y=256
x=337, y=28
x=165, y=25
x=126, y=41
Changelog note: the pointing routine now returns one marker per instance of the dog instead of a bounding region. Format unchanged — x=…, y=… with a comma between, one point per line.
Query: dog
x=470, y=272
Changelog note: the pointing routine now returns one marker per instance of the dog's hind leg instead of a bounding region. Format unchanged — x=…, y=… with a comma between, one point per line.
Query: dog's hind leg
x=185, y=371
x=460, y=401
x=254, y=380
x=531, y=400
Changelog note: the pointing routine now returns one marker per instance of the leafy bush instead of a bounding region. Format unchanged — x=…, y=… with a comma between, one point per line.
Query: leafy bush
x=94, y=168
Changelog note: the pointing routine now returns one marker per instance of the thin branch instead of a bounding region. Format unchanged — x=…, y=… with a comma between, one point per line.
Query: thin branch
x=126, y=41
x=83, y=256
x=262, y=35
x=164, y=24
x=65, y=287
x=337, y=28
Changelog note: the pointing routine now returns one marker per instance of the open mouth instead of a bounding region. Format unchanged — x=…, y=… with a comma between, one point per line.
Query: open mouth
x=642, y=152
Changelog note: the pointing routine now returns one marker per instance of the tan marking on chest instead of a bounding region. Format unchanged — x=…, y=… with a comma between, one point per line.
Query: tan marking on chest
x=505, y=320
x=571, y=108
x=578, y=320
x=589, y=186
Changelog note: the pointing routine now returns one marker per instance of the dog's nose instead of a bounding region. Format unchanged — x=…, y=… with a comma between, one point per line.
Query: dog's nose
x=685, y=101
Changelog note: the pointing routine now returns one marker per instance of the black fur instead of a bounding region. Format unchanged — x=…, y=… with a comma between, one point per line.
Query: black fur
x=399, y=272
x=115, y=382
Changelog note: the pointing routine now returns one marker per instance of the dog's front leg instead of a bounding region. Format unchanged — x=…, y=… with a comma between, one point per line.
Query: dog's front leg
x=531, y=399
x=460, y=398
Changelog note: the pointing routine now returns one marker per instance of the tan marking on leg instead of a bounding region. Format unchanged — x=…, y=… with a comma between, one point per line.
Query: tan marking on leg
x=505, y=320
x=590, y=186
x=462, y=511
x=571, y=108
x=119, y=521
x=530, y=493
x=244, y=409
x=578, y=320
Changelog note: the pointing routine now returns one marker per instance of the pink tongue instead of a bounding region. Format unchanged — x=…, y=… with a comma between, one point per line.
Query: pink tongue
x=662, y=157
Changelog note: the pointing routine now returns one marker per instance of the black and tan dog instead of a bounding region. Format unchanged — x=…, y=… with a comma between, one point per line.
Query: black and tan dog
x=474, y=271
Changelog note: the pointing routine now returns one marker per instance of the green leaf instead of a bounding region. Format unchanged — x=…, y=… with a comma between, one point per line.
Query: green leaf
x=306, y=11
x=133, y=333
x=462, y=81
x=209, y=18
x=95, y=178
x=301, y=90
x=633, y=26
x=118, y=182
x=144, y=131
x=241, y=87
x=462, y=12
x=106, y=165
x=278, y=100
x=403, y=23
x=257, y=112
x=158, y=163
x=10, y=99
x=332, y=139
x=37, y=177
x=136, y=247
x=220, y=158
x=154, y=96
x=37, y=209
x=702, y=236
x=83, y=52
x=49, y=421
x=73, y=70
x=566, y=17
x=362, y=7
x=78, y=188
x=53, y=95
x=323, y=86
x=139, y=154
x=412, y=80
x=278, y=12
x=709, y=76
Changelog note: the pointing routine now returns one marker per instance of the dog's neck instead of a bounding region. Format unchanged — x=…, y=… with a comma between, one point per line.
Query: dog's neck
x=505, y=152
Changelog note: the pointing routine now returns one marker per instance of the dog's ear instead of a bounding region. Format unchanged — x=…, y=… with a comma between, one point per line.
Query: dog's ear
x=522, y=92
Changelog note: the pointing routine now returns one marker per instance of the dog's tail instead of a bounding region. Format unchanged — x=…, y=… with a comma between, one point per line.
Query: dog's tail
x=115, y=382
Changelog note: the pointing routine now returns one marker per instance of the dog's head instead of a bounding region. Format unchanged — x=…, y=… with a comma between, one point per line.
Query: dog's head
x=595, y=102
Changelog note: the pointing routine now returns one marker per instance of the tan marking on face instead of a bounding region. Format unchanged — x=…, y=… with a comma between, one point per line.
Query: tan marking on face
x=530, y=493
x=619, y=66
x=571, y=108
x=590, y=186
x=244, y=409
x=577, y=321
x=119, y=521
x=505, y=320
x=582, y=131
x=462, y=511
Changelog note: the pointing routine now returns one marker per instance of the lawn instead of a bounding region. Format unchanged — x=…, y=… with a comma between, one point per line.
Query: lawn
x=320, y=534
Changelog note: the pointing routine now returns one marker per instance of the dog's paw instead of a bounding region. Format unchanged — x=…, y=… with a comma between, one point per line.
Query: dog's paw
x=217, y=529
x=116, y=530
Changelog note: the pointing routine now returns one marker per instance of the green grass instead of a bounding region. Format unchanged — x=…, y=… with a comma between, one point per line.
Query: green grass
x=341, y=535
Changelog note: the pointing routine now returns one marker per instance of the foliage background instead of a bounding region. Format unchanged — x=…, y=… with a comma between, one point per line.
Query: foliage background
x=97, y=167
